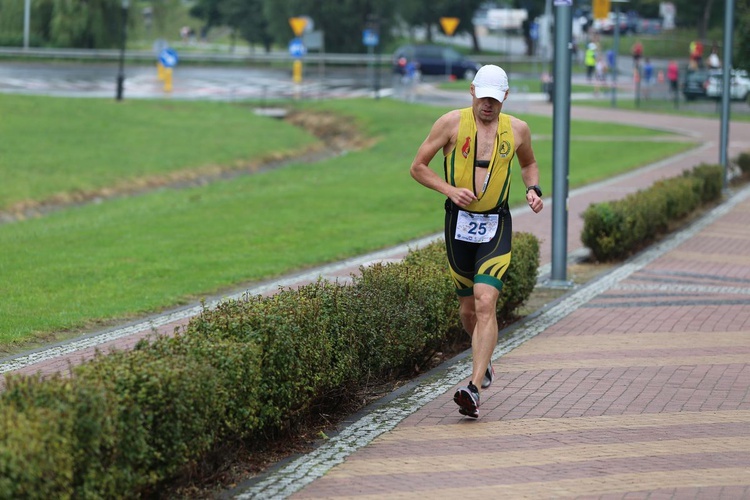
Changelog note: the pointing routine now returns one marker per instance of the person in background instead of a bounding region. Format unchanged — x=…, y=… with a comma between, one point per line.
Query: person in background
x=648, y=77
x=637, y=52
x=601, y=74
x=589, y=60
x=478, y=145
x=612, y=64
x=713, y=58
x=673, y=75
x=696, y=54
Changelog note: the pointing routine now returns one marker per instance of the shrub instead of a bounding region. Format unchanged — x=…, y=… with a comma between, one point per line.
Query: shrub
x=123, y=423
x=520, y=279
x=616, y=229
x=404, y=313
x=743, y=162
x=36, y=453
x=711, y=183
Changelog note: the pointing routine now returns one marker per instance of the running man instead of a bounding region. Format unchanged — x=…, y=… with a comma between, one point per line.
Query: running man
x=478, y=145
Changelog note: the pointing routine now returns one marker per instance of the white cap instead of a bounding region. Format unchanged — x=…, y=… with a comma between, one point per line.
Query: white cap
x=490, y=81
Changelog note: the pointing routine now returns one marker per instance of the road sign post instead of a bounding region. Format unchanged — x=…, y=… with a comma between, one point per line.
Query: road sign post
x=371, y=39
x=297, y=49
x=298, y=25
x=167, y=60
x=449, y=25
x=600, y=9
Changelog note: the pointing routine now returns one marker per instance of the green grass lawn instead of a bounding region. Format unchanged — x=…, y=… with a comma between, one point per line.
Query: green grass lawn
x=57, y=147
x=88, y=265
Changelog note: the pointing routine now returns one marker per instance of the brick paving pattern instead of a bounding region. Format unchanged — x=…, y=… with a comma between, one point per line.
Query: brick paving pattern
x=642, y=392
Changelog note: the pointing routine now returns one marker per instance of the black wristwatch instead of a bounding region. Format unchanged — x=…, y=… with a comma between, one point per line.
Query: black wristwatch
x=536, y=189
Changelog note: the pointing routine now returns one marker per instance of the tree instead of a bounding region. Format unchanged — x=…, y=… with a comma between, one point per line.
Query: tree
x=534, y=8
x=88, y=24
x=209, y=12
x=247, y=18
x=91, y=24
x=342, y=22
x=427, y=13
x=741, y=51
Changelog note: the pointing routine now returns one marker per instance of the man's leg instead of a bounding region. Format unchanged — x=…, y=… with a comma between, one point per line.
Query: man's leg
x=484, y=339
x=467, y=314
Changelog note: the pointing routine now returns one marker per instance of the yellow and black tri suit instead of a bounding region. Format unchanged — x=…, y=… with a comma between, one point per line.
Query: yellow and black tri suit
x=482, y=262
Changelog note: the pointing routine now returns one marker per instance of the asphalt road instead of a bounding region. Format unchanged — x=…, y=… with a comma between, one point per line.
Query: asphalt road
x=188, y=82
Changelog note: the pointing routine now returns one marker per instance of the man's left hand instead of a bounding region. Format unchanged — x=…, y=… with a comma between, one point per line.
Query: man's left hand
x=535, y=202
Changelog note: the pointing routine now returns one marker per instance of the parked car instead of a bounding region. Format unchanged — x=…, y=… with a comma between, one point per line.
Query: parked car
x=606, y=26
x=435, y=60
x=648, y=26
x=695, y=83
x=739, y=84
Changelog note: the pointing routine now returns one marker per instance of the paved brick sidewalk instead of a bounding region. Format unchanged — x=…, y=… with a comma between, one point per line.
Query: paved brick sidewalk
x=635, y=386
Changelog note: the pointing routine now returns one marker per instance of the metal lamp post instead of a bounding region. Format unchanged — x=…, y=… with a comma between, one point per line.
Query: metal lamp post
x=616, y=49
x=121, y=73
x=26, y=22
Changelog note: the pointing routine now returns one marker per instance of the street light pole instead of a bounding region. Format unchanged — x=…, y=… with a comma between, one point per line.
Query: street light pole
x=616, y=49
x=726, y=86
x=561, y=143
x=123, y=39
x=26, y=22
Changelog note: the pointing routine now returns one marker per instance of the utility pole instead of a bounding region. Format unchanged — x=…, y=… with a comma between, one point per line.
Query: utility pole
x=725, y=97
x=561, y=142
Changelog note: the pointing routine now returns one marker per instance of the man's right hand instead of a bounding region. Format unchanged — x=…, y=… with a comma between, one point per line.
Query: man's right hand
x=461, y=197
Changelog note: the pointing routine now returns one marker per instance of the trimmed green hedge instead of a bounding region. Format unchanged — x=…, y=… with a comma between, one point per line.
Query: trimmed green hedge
x=614, y=230
x=743, y=162
x=127, y=422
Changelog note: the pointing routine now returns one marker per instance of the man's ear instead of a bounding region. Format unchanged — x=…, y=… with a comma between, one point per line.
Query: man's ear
x=471, y=89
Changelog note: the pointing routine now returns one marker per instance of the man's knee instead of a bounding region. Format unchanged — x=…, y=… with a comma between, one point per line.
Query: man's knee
x=485, y=300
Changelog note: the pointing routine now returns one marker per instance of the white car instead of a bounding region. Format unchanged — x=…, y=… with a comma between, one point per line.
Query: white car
x=739, y=84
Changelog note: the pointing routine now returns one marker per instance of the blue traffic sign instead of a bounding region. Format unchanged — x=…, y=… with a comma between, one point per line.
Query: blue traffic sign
x=370, y=38
x=168, y=57
x=534, y=31
x=297, y=48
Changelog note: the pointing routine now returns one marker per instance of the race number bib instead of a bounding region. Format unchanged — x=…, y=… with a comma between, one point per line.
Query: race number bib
x=476, y=228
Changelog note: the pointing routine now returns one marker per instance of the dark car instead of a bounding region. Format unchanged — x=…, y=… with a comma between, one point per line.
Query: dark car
x=649, y=26
x=434, y=60
x=695, y=83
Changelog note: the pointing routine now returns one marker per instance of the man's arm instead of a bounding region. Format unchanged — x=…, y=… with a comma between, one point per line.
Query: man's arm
x=441, y=136
x=527, y=161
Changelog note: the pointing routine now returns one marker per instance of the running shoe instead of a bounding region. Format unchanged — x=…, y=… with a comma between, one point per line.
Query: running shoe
x=489, y=376
x=467, y=399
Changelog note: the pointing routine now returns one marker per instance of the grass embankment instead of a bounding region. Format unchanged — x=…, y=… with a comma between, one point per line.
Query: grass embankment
x=94, y=263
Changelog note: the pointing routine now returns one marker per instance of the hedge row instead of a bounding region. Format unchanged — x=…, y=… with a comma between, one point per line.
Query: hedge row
x=123, y=423
x=743, y=163
x=614, y=230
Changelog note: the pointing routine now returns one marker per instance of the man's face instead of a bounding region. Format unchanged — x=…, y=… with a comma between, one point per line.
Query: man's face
x=486, y=109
